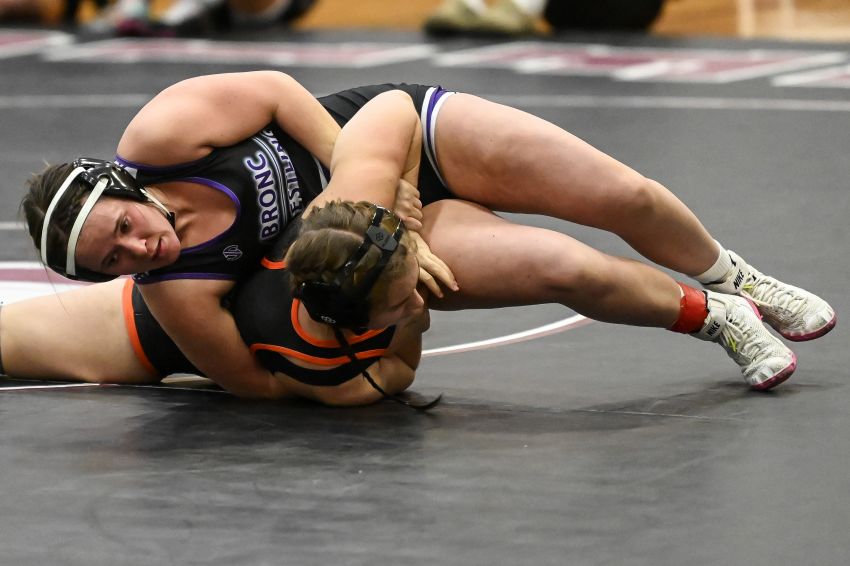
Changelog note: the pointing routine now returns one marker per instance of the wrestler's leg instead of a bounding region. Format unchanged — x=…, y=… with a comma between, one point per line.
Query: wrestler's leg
x=76, y=335
x=498, y=263
x=509, y=160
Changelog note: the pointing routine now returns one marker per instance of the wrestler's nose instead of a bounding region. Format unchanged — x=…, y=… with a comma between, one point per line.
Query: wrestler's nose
x=136, y=247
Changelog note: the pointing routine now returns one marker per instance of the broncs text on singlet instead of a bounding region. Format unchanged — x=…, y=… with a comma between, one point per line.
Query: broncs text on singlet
x=272, y=169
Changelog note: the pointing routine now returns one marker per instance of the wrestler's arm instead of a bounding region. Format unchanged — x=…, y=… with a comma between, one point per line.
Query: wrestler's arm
x=186, y=120
x=190, y=312
x=376, y=149
x=376, y=159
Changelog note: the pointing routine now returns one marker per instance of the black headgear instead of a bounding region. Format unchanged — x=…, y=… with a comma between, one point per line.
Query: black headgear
x=340, y=302
x=104, y=178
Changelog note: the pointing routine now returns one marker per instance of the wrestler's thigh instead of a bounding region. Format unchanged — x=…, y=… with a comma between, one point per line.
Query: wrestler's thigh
x=73, y=335
x=498, y=263
x=509, y=160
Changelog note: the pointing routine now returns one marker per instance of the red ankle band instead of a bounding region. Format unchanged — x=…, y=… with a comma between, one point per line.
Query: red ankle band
x=693, y=308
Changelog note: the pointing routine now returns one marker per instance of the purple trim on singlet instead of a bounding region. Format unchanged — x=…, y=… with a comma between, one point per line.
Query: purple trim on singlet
x=208, y=243
x=158, y=168
x=198, y=180
x=171, y=276
x=432, y=102
x=428, y=117
x=228, y=192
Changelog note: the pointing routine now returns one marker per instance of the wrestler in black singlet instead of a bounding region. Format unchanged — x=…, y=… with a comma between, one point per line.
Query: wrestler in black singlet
x=267, y=317
x=211, y=260
x=270, y=179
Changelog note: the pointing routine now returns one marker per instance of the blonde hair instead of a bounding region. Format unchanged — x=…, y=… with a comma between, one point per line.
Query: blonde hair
x=329, y=237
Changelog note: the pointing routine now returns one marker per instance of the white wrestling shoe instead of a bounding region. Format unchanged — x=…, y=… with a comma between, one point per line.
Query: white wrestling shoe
x=735, y=323
x=793, y=312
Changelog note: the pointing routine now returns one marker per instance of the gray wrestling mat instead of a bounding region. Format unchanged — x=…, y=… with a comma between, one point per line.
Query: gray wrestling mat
x=561, y=442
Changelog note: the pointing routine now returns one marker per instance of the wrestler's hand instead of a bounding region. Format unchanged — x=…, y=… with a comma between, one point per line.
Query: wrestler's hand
x=432, y=270
x=407, y=205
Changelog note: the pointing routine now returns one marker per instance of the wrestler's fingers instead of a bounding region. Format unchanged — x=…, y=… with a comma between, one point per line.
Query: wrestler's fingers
x=412, y=224
x=412, y=208
x=428, y=280
x=438, y=269
x=407, y=197
x=433, y=265
x=410, y=189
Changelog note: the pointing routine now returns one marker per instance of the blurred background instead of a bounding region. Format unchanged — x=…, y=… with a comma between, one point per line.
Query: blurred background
x=827, y=20
x=810, y=20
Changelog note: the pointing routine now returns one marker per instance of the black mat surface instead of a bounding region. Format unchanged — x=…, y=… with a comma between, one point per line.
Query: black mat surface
x=598, y=445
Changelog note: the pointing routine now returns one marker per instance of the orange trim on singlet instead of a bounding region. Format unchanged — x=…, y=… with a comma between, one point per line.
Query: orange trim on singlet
x=300, y=331
x=296, y=324
x=130, y=325
x=271, y=264
x=313, y=359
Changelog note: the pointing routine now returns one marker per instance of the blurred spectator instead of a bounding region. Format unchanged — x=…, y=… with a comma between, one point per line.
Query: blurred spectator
x=521, y=17
x=504, y=17
x=616, y=15
x=154, y=17
x=194, y=17
x=27, y=11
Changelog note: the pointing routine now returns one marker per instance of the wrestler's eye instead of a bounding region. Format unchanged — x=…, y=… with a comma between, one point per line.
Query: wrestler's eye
x=111, y=260
x=125, y=225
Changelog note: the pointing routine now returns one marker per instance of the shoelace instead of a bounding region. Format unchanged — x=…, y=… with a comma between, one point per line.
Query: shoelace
x=741, y=337
x=771, y=292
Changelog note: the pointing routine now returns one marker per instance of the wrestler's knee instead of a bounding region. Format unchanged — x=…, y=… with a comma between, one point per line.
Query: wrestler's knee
x=567, y=274
x=640, y=195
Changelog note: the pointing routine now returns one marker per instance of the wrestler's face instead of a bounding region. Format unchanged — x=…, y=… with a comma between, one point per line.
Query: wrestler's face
x=122, y=237
x=401, y=301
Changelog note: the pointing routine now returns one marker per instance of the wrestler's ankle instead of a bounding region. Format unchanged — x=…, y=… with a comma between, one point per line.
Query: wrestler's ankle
x=726, y=275
x=693, y=310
